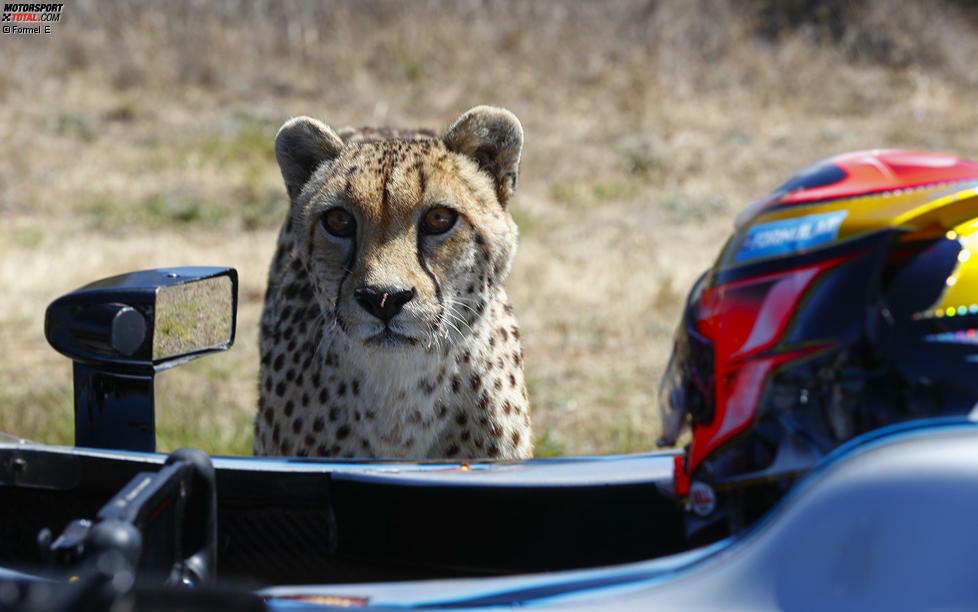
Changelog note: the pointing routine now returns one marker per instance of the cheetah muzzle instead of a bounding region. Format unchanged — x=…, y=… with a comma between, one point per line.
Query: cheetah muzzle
x=386, y=330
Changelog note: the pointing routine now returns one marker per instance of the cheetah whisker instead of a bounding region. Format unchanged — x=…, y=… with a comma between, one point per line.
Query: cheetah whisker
x=451, y=326
x=462, y=301
x=450, y=312
x=476, y=312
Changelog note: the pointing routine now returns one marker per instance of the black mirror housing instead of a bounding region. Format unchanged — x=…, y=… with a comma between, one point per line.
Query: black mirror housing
x=140, y=321
x=121, y=331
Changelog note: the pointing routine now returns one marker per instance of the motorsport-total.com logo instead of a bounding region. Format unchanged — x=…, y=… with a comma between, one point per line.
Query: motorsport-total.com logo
x=29, y=18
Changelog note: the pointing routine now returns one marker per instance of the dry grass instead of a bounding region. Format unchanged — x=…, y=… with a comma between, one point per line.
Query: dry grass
x=139, y=135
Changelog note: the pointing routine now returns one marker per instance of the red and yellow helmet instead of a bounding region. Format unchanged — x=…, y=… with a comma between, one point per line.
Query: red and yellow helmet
x=846, y=300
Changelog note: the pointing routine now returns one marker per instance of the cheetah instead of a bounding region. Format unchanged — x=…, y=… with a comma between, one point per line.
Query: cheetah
x=386, y=331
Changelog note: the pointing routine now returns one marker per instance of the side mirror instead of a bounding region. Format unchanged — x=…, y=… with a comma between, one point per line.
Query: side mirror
x=121, y=331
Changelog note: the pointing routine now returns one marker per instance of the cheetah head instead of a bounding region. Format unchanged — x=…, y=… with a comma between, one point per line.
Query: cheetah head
x=405, y=240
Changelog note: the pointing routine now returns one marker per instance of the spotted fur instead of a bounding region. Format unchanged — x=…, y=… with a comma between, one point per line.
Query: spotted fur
x=443, y=375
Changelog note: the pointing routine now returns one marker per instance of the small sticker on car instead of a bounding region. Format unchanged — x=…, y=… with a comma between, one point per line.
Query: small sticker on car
x=702, y=499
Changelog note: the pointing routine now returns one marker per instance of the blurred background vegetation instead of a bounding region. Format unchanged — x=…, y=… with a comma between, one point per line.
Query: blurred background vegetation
x=139, y=134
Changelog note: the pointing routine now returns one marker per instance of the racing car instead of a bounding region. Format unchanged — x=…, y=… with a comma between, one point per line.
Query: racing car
x=822, y=382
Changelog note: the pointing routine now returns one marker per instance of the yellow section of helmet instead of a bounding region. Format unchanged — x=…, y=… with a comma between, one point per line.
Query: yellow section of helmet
x=967, y=228
x=922, y=212
x=942, y=214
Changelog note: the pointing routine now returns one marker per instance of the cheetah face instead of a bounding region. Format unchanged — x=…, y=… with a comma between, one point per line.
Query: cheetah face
x=405, y=240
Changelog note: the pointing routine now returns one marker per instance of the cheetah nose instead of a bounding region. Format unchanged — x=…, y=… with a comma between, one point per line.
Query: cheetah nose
x=383, y=303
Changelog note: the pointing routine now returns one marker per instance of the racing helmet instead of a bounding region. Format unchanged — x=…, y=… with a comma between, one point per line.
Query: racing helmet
x=844, y=301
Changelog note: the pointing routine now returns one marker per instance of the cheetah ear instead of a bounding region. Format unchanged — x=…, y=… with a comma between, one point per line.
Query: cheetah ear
x=493, y=137
x=302, y=144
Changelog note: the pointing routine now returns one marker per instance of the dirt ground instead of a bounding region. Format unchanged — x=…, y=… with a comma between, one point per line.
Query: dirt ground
x=139, y=135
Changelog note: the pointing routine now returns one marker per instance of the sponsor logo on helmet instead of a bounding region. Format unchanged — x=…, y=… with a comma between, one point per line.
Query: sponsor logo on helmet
x=702, y=499
x=790, y=235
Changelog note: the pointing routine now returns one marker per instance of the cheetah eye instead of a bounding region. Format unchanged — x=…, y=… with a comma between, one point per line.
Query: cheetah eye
x=339, y=223
x=439, y=220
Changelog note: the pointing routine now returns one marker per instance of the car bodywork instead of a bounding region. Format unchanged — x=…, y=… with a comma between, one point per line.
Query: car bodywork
x=886, y=521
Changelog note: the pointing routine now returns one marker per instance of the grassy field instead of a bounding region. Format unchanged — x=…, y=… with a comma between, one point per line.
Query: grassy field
x=140, y=135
